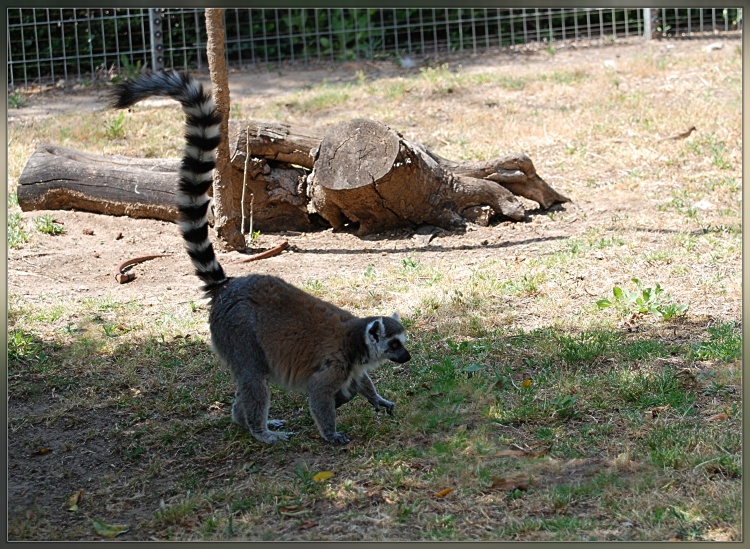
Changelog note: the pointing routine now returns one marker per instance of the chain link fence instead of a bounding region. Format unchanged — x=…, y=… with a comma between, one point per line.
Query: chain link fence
x=85, y=44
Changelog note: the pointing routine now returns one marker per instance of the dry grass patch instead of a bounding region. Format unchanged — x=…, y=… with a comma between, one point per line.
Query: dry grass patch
x=527, y=413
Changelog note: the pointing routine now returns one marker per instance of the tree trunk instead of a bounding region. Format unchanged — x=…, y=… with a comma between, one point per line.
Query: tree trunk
x=366, y=173
x=56, y=178
x=360, y=173
x=226, y=195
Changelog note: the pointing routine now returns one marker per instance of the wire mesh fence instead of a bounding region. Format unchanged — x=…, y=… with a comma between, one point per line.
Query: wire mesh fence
x=55, y=44
x=48, y=45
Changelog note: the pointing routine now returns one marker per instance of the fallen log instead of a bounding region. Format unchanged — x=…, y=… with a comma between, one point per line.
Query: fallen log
x=365, y=173
x=359, y=173
x=57, y=178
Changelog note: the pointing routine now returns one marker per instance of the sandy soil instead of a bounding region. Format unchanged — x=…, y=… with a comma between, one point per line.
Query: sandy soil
x=84, y=257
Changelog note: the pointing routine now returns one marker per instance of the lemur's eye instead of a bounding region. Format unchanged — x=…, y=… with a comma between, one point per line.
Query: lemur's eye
x=395, y=344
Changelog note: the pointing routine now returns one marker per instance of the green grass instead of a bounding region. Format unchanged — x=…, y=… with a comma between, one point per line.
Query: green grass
x=632, y=422
x=325, y=96
x=566, y=77
x=507, y=82
x=115, y=128
x=17, y=235
x=442, y=79
x=713, y=148
x=48, y=225
x=17, y=101
x=589, y=398
x=724, y=344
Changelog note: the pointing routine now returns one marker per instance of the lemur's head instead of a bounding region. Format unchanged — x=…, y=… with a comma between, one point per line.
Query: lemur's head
x=386, y=339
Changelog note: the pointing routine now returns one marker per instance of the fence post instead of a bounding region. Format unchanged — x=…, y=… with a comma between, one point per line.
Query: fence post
x=155, y=19
x=647, y=24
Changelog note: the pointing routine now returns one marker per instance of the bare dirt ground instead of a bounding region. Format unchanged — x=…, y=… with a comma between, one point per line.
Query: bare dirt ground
x=81, y=262
x=84, y=257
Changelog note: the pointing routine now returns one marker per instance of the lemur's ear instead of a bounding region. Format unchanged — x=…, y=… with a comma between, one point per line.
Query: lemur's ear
x=396, y=317
x=376, y=329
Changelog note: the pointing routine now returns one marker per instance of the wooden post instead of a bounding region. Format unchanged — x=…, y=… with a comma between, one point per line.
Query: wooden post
x=226, y=196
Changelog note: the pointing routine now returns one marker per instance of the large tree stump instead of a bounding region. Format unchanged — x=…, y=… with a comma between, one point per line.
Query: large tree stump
x=359, y=173
x=366, y=173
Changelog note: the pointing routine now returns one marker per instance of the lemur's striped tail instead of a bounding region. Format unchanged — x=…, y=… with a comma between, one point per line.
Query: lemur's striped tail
x=202, y=136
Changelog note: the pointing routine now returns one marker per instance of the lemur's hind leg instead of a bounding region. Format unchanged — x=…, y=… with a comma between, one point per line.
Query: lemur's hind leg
x=250, y=410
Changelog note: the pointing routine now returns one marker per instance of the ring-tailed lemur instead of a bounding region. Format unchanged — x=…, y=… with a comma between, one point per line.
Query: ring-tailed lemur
x=262, y=327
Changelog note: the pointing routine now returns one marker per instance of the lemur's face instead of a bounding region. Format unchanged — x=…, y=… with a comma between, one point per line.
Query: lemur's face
x=386, y=339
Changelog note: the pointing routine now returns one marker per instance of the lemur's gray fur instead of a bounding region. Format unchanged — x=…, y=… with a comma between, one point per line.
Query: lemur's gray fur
x=262, y=327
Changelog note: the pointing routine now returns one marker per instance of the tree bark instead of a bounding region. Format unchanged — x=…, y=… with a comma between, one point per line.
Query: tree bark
x=359, y=177
x=56, y=178
x=276, y=141
x=366, y=173
x=226, y=195
x=359, y=173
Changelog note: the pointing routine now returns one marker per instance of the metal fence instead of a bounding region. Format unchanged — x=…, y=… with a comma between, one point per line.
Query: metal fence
x=78, y=45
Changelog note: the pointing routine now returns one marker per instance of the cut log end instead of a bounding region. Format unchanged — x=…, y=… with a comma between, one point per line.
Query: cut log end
x=354, y=154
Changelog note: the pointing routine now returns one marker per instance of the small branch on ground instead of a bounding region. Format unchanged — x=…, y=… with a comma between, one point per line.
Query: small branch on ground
x=263, y=255
x=123, y=277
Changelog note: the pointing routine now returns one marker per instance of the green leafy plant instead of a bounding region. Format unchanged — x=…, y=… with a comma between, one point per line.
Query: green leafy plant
x=664, y=30
x=116, y=128
x=410, y=264
x=21, y=345
x=46, y=224
x=314, y=286
x=17, y=236
x=643, y=301
x=564, y=406
x=128, y=70
x=304, y=474
x=16, y=101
